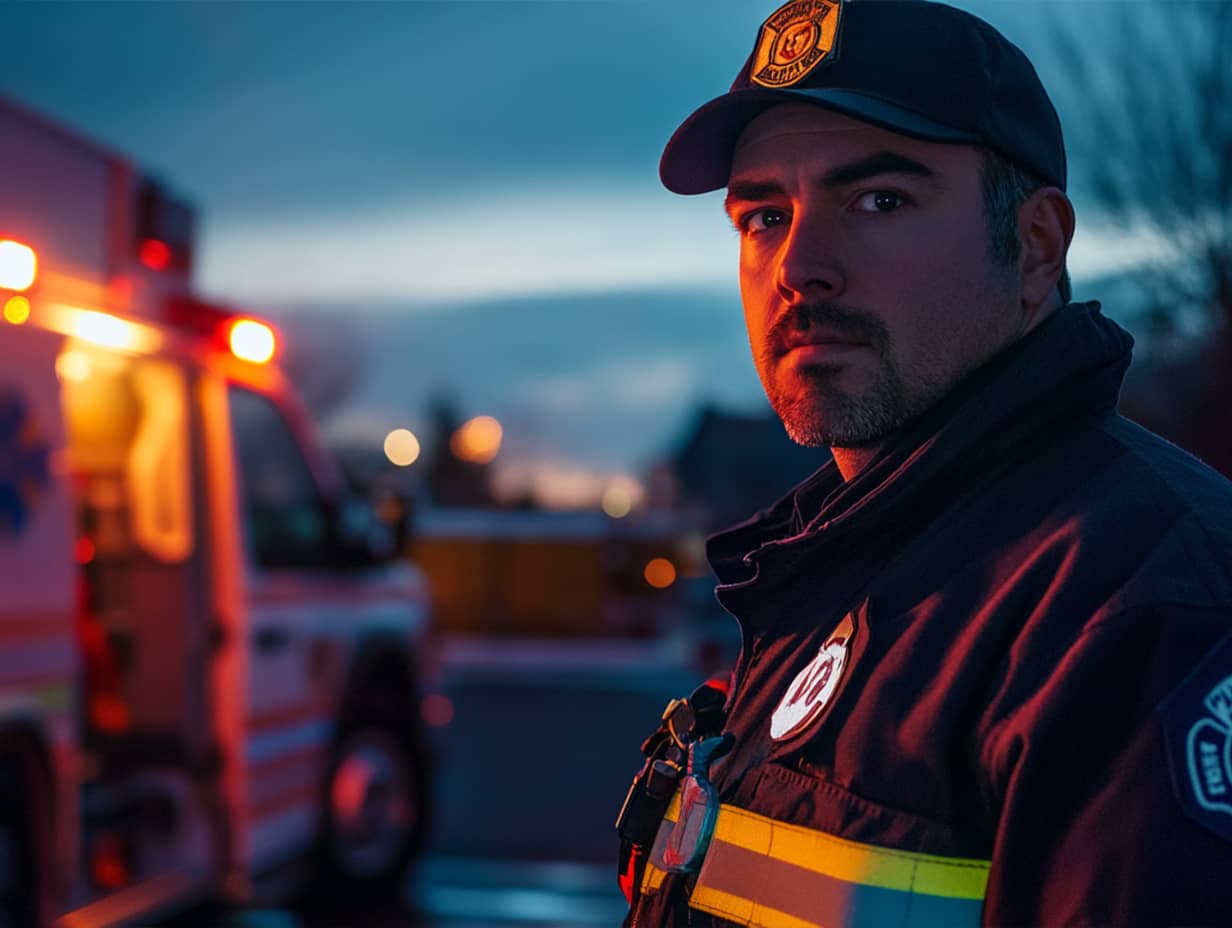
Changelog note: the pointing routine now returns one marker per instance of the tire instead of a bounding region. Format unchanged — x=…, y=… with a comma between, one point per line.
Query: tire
x=18, y=892
x=375, y=810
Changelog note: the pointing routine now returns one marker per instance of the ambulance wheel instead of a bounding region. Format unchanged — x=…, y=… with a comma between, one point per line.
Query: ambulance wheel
x=17, y=896
x=375, y=812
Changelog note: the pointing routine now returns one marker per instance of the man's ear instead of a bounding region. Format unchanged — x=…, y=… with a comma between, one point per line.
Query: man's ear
x=1046, y=227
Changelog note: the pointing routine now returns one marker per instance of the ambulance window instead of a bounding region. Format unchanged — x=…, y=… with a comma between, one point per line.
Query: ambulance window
x=129, y=452
x=283, y=514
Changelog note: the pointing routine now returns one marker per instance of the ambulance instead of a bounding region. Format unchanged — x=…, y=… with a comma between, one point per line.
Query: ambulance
x=209, y=651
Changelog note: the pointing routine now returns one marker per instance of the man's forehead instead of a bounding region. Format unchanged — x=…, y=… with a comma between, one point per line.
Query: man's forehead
x=802, y=131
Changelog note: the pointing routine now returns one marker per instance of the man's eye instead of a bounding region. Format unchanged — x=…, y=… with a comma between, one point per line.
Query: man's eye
x=879, y=201
x=762, y=219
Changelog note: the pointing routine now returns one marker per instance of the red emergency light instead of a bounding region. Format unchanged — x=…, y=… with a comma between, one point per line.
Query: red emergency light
x=246, y=337
x=154, y=254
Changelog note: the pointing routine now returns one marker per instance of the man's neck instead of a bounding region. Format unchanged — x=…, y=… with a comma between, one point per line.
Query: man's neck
x=851, y=461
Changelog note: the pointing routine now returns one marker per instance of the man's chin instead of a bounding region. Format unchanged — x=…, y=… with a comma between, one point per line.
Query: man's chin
x=855, y=428
x=811, y=431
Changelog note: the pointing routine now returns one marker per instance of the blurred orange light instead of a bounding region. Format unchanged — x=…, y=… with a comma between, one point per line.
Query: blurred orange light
x=74, y=366
x=154, y=254
x=478, y=440
x=18, y=265
x=660, y=573
x=252, y=341
x=437, y=710
x=402, y=447
x=17, y=310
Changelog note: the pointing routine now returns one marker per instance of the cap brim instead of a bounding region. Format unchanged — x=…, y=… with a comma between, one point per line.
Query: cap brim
x=698, y=156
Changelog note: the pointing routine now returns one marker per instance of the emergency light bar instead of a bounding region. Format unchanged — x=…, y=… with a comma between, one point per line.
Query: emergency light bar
x=247, y=338
x=18, y=265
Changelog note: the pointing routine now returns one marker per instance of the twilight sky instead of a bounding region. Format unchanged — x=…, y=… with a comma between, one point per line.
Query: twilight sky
x=463, y=195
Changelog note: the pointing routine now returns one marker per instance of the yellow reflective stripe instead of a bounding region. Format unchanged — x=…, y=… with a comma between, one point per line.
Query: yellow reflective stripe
x=743, y=911
x=673, y=808
x=850, y=861
x=652, y=879
x=825, y=854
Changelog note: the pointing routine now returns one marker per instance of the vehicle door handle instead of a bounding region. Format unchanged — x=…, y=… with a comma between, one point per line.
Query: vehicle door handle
x=271, y=638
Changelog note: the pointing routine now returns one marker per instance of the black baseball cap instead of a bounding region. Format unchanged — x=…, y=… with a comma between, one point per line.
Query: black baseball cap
x=922, y=69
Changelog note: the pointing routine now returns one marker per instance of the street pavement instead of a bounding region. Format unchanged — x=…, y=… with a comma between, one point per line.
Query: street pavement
x=533, y=765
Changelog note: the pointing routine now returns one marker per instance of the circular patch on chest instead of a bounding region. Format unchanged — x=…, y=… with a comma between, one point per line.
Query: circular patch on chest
x=814, y=686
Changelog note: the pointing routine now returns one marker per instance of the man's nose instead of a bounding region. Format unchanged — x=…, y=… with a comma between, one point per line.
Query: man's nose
x=809, y=265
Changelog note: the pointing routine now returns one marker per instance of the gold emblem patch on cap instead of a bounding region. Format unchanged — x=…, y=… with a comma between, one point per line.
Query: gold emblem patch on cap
x=794, y=40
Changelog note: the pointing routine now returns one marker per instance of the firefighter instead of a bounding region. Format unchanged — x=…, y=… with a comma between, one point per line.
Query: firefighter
x=986, y=674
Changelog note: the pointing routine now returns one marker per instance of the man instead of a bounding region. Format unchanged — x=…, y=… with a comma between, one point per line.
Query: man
x=986, y=674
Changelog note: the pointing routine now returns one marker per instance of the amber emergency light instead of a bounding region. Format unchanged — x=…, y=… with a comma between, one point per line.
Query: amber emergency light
x=18, y=265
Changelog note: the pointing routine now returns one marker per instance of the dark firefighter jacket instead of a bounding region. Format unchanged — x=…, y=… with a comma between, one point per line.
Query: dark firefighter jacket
x=998, y=664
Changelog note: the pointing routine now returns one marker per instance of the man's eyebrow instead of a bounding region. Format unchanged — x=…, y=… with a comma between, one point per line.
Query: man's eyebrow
x=750, y=191
x=884, y=162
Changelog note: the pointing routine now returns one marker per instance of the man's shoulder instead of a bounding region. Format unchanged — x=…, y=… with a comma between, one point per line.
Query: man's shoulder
x=1189, y=504
x=1156, y=471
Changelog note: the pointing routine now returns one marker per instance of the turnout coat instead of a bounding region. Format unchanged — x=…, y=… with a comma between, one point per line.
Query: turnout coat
x=988, y=681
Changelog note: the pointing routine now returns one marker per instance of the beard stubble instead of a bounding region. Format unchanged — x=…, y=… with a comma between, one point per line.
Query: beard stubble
x=819, y=412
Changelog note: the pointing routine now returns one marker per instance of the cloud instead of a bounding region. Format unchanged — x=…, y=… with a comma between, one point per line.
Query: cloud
x=631, y=385
x=451, y=250
x=1099, y=250
x=606, y=380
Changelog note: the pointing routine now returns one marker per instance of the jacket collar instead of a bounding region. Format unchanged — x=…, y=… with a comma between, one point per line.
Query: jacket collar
x=1068, y=369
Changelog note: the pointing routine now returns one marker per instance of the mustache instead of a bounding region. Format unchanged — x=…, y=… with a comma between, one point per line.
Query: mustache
x=844, y=320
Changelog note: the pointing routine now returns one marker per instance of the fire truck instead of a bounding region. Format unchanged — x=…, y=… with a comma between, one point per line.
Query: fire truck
x=209, y=650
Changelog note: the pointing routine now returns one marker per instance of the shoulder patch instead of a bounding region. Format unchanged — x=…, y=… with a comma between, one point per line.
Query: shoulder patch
x=1197, y=718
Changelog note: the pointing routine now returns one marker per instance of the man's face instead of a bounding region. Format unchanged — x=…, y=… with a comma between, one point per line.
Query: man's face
x=865, y=272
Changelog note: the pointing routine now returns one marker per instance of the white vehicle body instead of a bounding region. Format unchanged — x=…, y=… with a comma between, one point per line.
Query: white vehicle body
x=191, y=622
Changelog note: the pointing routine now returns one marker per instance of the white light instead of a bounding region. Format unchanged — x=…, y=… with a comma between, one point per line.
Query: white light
x=252, y=341
x=104, y=330
x=402, y=447
x=73, y=366
x=18, y=265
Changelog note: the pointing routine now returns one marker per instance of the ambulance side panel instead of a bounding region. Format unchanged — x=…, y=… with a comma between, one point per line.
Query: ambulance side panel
x=38, y=650
x=58, y=193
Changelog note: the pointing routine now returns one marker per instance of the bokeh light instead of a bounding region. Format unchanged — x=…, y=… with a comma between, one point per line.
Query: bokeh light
x=105, y=329
x=252, y=341
x=73, y=366
x=621, y=495
x=17, y=310
x=617, y=502
x=402, y=447
x=478, y=440
x=154, y=254
x=660, y=573
x=437, y=710
x=18, y=265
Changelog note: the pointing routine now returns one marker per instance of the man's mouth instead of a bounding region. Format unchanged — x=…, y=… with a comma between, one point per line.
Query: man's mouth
x=817, y=340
